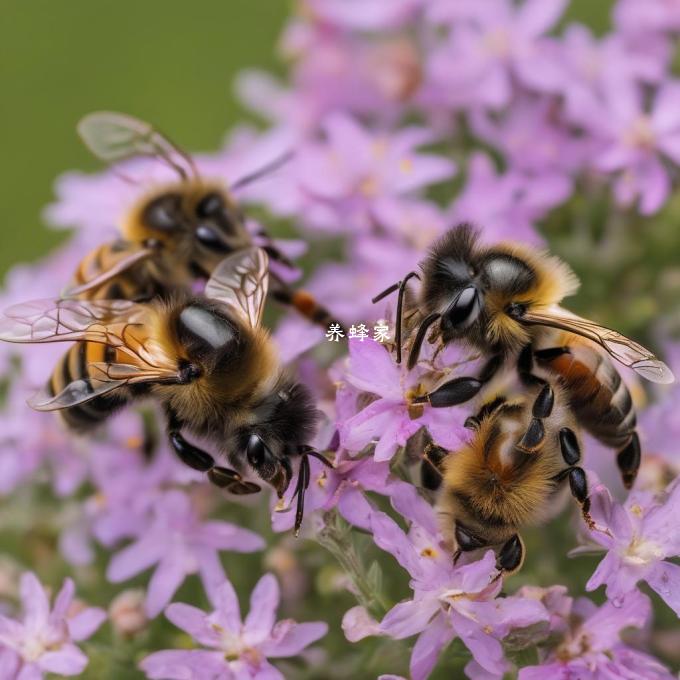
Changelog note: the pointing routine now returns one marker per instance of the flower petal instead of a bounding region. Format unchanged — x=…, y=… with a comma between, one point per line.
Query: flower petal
x=136, y=557
x=264, y=601
x=227, y=612
x=63, y=600
x=193, y=621
x=355, y=508
x=409, y=617
x=357, y=624
x=167, y=578
x=34, y=600
x=371, y=369
x=665, y=580
x=289, y=638
x=69, y=660
x=429, y=646
x=538, y=16
x=486, y=650
x=193, y=664
x=85, y=623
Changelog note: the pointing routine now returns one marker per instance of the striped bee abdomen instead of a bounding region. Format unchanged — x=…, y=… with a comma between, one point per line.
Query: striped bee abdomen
x=598, y=395
x=73, y=366
x=134, y=283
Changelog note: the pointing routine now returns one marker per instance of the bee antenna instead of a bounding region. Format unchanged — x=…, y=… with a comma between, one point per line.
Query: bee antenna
x=262, y=171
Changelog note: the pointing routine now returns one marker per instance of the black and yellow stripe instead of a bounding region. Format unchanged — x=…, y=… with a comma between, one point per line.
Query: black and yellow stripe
x=136, y=283
x=73, y=366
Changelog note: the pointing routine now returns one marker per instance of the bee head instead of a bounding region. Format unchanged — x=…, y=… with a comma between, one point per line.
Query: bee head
x=194, y=221
x=479, y=290
x=217, y=224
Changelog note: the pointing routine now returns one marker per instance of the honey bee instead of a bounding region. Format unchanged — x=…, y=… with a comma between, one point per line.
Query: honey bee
x=503, y=301
x=176, y=233
x=502, y=480
x=205, y=359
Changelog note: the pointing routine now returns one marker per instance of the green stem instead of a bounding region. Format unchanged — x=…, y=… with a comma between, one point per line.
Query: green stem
x=336, y=537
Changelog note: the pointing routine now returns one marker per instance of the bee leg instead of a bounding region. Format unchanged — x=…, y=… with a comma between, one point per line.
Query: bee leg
x=190, y=455
x=201, y=460
x=300, y=490
x=401, y=287
x=628, y=460
x=511, y=556
x=431, y=466
x=525, y=364
x=460, y=390
x=578, y=483
x=473, y=422
x=542, y=408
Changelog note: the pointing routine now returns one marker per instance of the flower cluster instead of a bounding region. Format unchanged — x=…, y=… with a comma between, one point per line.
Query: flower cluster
x=406, y=119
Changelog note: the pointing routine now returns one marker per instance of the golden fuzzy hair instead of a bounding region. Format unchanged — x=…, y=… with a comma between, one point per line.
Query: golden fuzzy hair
x=554, y=280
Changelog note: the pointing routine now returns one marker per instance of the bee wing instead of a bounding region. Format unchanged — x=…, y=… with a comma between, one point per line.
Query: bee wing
x=119, y=324
x=241, y=281
x=101, y=379
x=122, y=262
x=76, y=392
x=66, y=320
x=114, y=137
x=623, y=349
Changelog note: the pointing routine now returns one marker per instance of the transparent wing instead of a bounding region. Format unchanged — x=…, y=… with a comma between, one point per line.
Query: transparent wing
x=241, y=281
x=113, y=137
x=119, y=324
x=76, y=392
x=67, y=320
x=101, y=379
x=623, y=349
x=121, y=262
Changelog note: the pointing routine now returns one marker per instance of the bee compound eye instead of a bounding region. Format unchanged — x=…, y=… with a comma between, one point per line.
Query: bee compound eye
x=464, y=309
x=467, y=541
x=164, y=213
x=255, y=451
x=210, y=238
x=209, y=205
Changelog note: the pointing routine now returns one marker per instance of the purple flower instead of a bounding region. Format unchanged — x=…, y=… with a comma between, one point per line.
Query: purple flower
x=392, y=418
x=492, y=46
x=639, y=536
x=660, y=429
x=343, y=487
x=448, y=601
x=636, y=141
x=648, y=19
x=589, y=65
x=43, y=640
x=507, y=205
x=179, y=544
x=373, y=263
x=230, y=647
x=356, y=176
x=589, y=645
x=533, y=139
x=366, y=15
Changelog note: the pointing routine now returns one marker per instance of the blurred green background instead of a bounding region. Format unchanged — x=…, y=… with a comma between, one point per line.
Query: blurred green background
x=170, y=62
